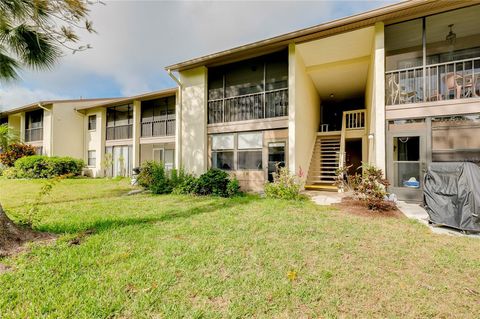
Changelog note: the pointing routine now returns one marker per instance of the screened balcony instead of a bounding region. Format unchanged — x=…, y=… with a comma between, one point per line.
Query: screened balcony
x=119, y=122
x=253, y=89
x=435, y=58
x=34, y=126
x=158, y=117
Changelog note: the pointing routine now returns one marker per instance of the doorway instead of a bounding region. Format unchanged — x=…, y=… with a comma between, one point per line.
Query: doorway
x=353, y=156
x=276, y=158
x=406, y=160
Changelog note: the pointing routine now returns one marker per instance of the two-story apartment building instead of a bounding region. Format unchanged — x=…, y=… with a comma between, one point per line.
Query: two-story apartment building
x=54, y=128
x=397, y=87
x=122, y=133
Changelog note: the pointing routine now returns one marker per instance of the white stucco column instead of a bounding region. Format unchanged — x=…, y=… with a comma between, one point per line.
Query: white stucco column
x=194, y=120
x=178, y=129
x=22, y=126
x=379, y=98
x=136, y=130
x=292, y=164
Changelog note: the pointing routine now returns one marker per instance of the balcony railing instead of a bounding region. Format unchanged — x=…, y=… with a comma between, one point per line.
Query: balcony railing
x=442, y=81
x=158, y=128
x=354, y=119
x=34, y=134
x=249, y=107
x=119, y=132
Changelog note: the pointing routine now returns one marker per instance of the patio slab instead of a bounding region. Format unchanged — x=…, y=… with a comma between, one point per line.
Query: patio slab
x=416, y=212
x=325, y=197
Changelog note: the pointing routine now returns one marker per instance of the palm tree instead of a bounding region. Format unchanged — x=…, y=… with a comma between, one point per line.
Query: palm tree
x=34, y=34
x=7, y=137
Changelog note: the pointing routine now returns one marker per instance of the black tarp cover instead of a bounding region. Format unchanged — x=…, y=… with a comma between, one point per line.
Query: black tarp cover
x=452, y=195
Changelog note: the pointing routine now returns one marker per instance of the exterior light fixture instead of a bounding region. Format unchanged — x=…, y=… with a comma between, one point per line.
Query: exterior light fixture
x=332, y=96
x=371, y=136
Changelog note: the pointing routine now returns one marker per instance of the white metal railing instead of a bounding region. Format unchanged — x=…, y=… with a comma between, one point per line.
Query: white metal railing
x=254, y=106
x=354, y=119
x=434, y=82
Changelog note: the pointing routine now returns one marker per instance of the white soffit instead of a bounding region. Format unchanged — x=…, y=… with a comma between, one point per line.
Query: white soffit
x=345, y=46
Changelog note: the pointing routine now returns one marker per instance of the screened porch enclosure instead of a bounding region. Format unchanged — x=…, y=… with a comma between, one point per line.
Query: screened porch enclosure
x=34, y=126
x=249, y=90
x=119, y=122
x=433, y=58
x=158, y=117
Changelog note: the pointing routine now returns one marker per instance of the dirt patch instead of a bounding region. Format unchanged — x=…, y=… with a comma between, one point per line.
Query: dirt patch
x=13, y=237
x=353, y=206
x=79, y=239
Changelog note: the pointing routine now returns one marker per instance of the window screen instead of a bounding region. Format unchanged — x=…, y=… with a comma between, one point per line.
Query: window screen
x=92, y=122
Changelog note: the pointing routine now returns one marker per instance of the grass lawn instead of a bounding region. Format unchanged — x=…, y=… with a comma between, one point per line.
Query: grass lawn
x=179, y=256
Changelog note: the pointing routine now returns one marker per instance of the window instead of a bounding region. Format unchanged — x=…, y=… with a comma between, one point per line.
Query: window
x=92, y=158
x=92, y=122
x=223, y=151
x=247, y=155
x=250, y=150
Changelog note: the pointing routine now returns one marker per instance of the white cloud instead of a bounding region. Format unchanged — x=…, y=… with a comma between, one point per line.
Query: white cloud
x=137, y=39
x=15, y=96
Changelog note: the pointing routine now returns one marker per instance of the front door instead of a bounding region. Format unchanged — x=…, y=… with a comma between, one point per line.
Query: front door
x=276, y=158
x=406, y=158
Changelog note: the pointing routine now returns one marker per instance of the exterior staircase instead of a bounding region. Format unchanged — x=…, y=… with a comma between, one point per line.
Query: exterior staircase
x=324, y=162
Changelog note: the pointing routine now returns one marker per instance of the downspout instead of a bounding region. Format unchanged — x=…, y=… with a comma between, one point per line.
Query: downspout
x=51, y=126
x=178, y=136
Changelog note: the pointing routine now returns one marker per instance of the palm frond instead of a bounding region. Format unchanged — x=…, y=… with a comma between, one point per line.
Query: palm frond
x=8, y=67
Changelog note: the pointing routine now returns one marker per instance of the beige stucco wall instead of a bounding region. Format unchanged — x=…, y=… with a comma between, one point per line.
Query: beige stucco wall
x=14, y=121
x=66, y=133
x=194, y=120
x=95, y=139
x=304, y=114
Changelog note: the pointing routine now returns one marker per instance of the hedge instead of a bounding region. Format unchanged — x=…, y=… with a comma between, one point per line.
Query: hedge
x=39, y=166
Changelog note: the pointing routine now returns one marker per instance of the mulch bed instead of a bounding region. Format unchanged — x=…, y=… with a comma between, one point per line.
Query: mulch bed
x=353, y=206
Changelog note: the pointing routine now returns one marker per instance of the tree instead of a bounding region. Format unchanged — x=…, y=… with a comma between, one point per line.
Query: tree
x=35, y=34
x=7, y=137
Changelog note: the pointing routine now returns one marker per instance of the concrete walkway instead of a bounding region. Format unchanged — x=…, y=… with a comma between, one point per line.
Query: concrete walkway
x=324, y=197
x=415, y=211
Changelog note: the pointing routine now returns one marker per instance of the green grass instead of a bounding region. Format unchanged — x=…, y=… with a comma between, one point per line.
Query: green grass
x=179, y=256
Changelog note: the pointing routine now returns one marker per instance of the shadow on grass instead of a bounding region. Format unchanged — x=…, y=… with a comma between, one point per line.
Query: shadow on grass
x=200, y=206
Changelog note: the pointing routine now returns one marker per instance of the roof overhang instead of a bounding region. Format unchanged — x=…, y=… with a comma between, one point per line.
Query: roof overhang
x=36, y=105
x=125, y=100
x=389, y=14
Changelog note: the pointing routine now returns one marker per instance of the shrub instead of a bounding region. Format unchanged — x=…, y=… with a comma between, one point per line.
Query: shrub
x=153, y=177
x=9, y=172
x=370, y=187
x=16, y=151
x=233, y=187
x=187, y=186
x=284, y=186
x=39, y=166
x=213, y=182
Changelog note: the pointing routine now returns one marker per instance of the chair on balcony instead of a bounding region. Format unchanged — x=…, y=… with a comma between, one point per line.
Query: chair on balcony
x=398, y=94
x=453, y=83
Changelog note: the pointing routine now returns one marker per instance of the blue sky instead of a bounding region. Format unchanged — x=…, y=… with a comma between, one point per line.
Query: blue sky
x=137, y=39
